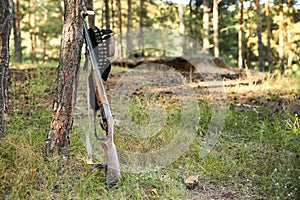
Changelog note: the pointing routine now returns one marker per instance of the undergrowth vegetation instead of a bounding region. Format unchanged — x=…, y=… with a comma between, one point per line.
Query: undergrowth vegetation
x=255, y=157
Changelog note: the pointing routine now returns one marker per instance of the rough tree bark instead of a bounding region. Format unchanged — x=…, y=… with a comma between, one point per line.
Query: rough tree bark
x=6, y=23
x=58, y=137
x=205, y=26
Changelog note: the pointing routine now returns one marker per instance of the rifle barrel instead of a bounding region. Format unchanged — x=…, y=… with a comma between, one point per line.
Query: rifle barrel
x=90, y=46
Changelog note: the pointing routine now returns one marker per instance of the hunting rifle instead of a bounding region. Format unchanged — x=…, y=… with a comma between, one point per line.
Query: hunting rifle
x=100, y=69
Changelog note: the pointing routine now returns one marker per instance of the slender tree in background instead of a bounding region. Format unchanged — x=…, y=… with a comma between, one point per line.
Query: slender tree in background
x=206, y=26
x=290, y=35
x=68, y=72
x=45, y=38
x=249, y=44
x=216, y=27
x=103, y=16
x=38, y=21
x=281, y=38
x=6, y=24
x=191, y=27
x=18, y=57
x=268, y=19
x=241, y=36
x=181, y=18
x=112, y=7
x=129, y=24
x=31, y=32
x=107, y=18
x=261, y=62
x=191, y=13
x=142, y=15
x=120, y=38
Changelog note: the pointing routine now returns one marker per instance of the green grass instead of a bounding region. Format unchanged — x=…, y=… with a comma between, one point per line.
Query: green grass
x=260, y=152
x=256, y=154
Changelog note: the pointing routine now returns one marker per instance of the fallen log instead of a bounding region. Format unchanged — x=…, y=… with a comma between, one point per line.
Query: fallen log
x=203, y=67
x=187, y=64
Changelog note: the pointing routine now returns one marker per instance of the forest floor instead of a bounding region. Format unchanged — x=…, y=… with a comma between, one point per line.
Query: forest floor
x=255, y=157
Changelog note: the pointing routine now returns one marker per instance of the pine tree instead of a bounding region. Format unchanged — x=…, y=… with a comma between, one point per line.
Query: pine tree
x=216, y=27
x=205, y=26
x=6, y=24
x=241, y=36
x=281, y=39
x=268, y=19
x=18, y=56
x=261, y=61
x=68, y=72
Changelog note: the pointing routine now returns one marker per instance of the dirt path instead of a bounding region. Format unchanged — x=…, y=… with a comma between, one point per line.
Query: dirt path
x=241, y=90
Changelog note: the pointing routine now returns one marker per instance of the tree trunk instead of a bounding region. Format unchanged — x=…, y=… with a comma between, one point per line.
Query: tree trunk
x=206, y=26
x=35, y=32
x=259, y=37
x=112, y=15
x=58, y=137
x=107, y=18
x=30, y=33
x=216, y=27
x=181, y=18
x=141, y=23
x=268, y=19
x=6, y=23
x=191, y=17
x=129, y=25
x=241, y=36
x=281, y=39
x=18, y=57
x=45, y=38
x=192, y=25
x=120, y=39
x=44, y=47
x=103, y=17
x=249, y=46
x=290, y=35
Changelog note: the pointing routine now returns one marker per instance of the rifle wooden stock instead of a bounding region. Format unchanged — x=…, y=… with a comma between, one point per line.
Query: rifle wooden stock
x=113, y=174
